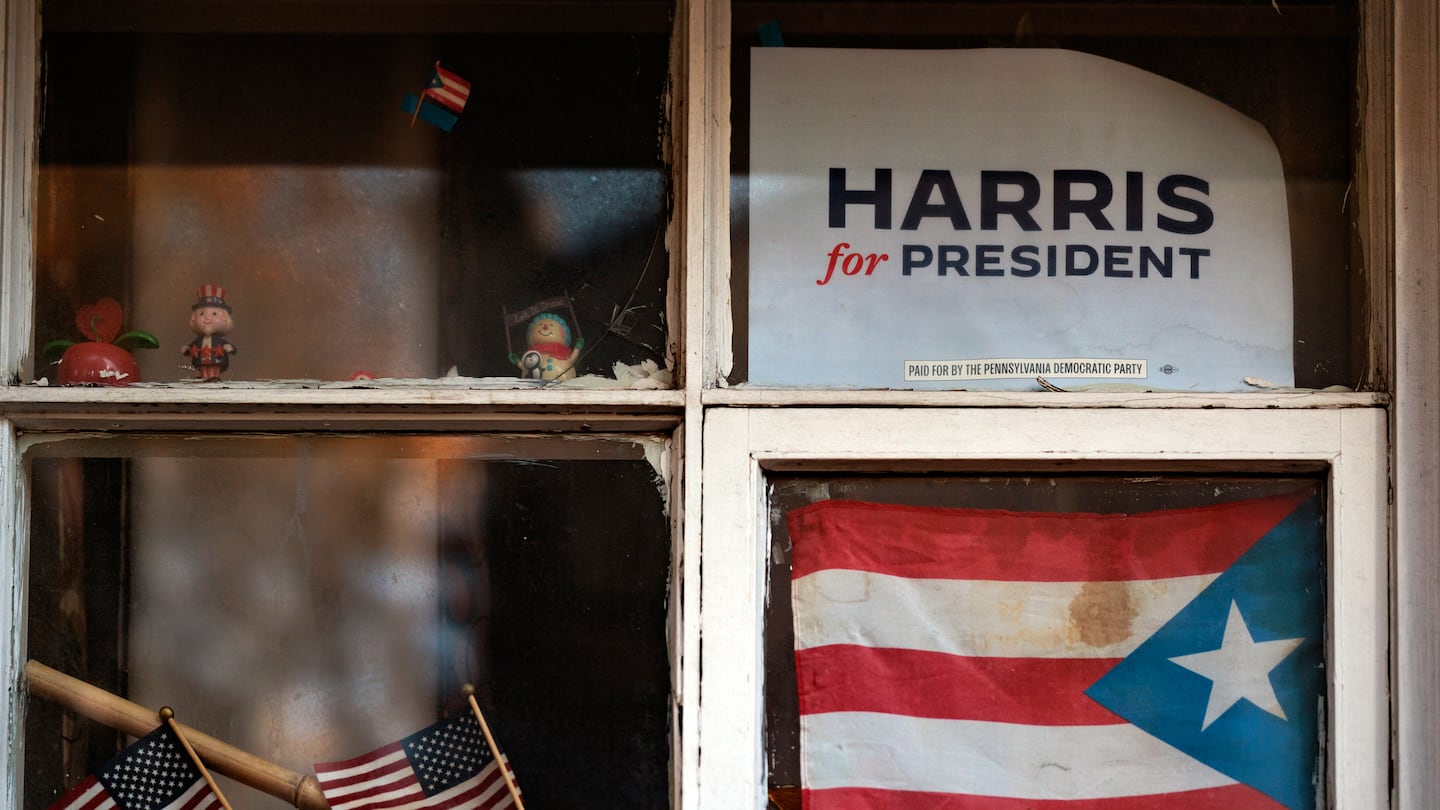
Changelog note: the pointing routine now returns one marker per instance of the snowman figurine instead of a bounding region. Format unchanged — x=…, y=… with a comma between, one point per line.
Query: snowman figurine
x=550, y=352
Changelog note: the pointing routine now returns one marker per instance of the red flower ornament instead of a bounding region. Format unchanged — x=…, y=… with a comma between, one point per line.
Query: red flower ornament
x=105, y=358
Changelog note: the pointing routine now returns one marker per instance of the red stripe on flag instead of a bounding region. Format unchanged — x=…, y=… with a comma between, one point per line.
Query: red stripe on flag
x=1230, y=797
x=1029, y=691
x=933, y=543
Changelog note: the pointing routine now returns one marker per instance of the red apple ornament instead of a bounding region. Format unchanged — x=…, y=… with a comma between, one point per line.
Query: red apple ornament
x=105, y=358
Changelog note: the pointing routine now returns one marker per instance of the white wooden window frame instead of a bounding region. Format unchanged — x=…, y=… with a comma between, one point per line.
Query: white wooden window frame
x=742, y=445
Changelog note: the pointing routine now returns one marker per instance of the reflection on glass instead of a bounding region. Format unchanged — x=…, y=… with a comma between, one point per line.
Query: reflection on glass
x=308, y=600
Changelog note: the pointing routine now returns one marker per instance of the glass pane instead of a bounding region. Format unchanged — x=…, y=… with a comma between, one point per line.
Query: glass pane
x=979, y=612
x=310, y=599
x=1291, y=73
x=269, y=151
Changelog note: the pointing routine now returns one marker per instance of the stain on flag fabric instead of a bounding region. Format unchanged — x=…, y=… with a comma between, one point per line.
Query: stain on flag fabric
x=445, y=766
x=153, y=774
x=950, y=659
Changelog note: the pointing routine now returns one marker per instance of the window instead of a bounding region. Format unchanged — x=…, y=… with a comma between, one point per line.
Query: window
x=293, y=170
x=1291, y=73
x=315, y=597
x=769, y=459
x=379, y=420
x=272, y=158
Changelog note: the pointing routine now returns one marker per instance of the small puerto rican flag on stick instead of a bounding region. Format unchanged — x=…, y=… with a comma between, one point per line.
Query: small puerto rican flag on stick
x=445, y=90
x=448, y=89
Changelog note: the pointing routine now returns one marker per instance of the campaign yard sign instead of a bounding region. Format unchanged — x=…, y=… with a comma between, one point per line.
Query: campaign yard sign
x=984, y=218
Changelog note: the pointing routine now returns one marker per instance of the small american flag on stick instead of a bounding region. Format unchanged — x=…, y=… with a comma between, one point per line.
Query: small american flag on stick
x=153, y=774
x=447, y=766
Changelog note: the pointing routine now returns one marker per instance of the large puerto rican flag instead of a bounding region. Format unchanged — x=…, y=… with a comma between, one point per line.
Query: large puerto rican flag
x=950, y=659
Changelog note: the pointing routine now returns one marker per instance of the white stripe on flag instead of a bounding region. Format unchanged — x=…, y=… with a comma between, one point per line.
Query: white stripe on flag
x=994, y=759
x=976, y=617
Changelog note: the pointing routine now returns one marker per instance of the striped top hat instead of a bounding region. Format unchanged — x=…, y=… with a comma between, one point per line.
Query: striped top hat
x=211, y=295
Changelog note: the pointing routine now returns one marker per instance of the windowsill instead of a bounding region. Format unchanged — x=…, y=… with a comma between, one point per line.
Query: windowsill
x=393, y=405
x=1138, y=398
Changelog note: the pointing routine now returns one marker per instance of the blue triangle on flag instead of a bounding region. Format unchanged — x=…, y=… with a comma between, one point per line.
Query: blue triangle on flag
x=1277, y=588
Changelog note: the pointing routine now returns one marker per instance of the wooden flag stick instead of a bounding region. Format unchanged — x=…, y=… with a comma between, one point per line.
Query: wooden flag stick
x=167, y=714
x=300, y=790
x=420, y=99
x=490, y=741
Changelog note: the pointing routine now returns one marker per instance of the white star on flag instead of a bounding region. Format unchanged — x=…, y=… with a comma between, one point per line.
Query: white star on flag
x=1240, y=669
